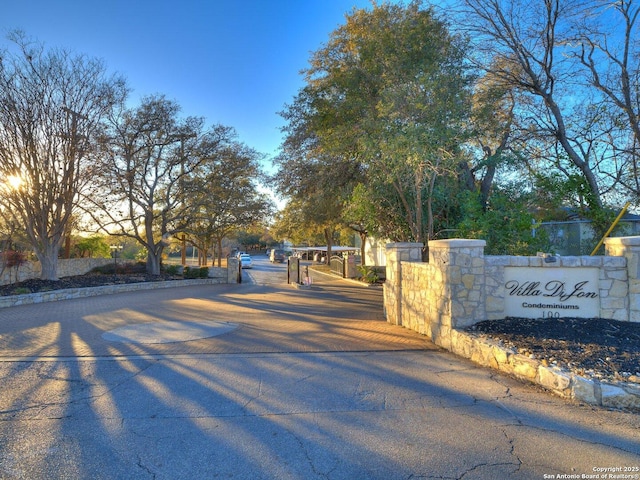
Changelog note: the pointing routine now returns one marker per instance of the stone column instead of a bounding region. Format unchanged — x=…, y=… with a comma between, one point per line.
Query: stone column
x=233, y=267
x=628, y=247
x=396, y=254
x=460, y=296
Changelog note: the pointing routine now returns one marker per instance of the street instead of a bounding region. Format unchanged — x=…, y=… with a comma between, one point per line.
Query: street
x=264, y=272
x=299, y=384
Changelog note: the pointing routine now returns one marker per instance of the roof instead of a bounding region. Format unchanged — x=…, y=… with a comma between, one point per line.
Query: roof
x=336, y=248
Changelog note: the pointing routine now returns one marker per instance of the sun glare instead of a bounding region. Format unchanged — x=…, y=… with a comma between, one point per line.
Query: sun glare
x=14, y=181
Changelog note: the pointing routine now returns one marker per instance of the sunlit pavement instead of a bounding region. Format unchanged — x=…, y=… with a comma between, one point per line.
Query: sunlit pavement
x=262, y=380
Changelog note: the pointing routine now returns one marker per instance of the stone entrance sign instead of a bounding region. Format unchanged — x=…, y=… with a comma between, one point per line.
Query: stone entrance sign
x=541, y=292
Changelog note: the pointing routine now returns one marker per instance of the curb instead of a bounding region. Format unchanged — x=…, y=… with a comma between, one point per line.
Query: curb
x=620, y=395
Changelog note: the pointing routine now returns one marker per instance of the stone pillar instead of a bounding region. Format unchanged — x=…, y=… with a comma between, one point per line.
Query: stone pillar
x=396, y=254
x=459, y=289
x=233, y=269
x=628, y=247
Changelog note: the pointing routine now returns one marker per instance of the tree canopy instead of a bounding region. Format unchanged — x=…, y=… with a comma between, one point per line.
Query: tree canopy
x=384, y=106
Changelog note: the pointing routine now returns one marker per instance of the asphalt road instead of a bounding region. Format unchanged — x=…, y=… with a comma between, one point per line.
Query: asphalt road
x=265, y=381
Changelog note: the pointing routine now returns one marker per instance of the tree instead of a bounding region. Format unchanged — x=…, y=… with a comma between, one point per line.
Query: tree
x=151, y=159
x=52, y=108
x=360, y=215
x=227, y=196
x=526, y=47
x=95, y=246
x=505, y=222
x=607, y=39
x=386, y=99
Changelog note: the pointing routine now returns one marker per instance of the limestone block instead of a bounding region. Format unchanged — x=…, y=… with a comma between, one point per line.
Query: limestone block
x=554, y=380
x=616, y=273
x=605, y=286
x=482, y=354
x=588, y=261
x=634, y=287
x=519, y=261
x=618, y=289
x=569, y=262
x=500, y=354
x=524, y=367
x=536, y=261
x=497, y=260
x=455, y=274
x=457, y=309
x=468, y=281
x=585, y=390
x=613, y=303
x=614, y=262
x=494, y=304
x=475, y=296
x=444, y=341
x=461, y=344
x=617, y=397
x=463, y=260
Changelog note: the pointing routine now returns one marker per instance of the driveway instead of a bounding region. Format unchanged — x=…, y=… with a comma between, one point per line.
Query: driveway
x=265, y=381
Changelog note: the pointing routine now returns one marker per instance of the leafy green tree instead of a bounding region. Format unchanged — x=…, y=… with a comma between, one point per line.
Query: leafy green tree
x=506, y=223
x=95, y=246
x=227, y=197
x=386, y=102
x=292, y=224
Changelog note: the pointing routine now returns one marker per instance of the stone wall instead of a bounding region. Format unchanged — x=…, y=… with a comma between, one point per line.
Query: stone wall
x=459, y=286
x=66, y=268
x=612, y=280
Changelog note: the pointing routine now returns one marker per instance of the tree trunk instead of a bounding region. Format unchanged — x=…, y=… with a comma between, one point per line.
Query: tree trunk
x=219, y=244
x=153, y=262
x=328, y=235
x=49, y=262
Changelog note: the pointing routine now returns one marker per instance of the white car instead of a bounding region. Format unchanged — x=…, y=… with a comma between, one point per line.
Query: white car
x=245, y=260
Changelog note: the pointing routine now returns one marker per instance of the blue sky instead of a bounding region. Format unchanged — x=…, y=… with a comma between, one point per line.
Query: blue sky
x=232, y=62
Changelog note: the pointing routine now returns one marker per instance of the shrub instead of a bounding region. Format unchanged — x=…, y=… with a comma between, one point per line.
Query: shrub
x=172, y=269
x=21, y=291
x=368, y=274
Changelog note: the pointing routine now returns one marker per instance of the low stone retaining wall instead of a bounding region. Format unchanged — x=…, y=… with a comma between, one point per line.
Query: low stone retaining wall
x=560, y=382
x=66, y=268
x=66, y=294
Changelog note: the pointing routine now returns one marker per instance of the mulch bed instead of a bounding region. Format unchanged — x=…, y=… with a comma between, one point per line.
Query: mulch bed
x=36, y=285
x=596, y=348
